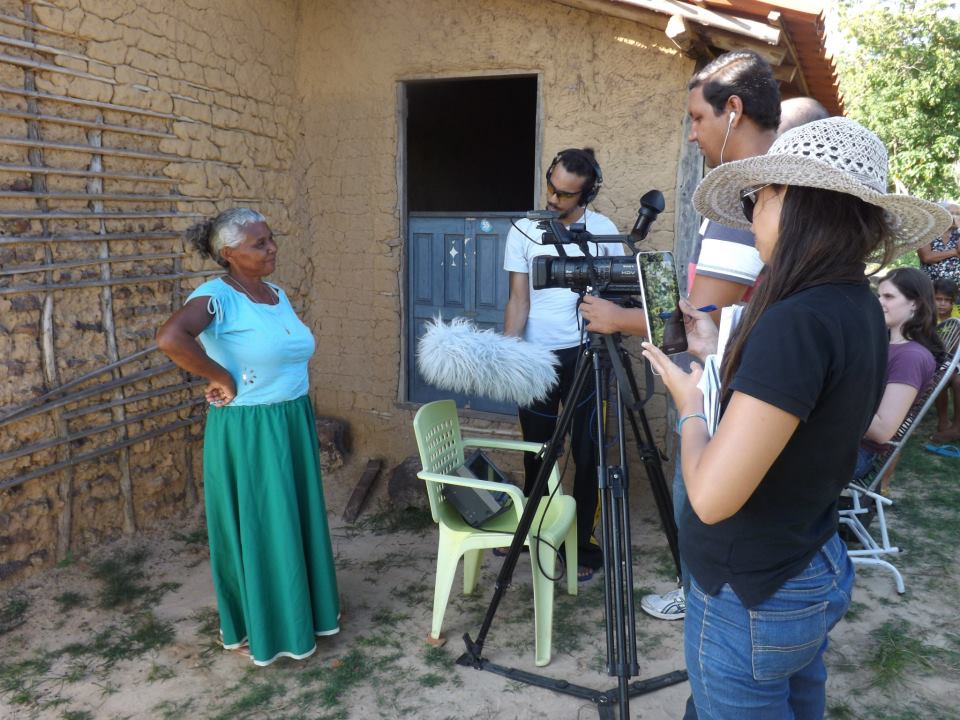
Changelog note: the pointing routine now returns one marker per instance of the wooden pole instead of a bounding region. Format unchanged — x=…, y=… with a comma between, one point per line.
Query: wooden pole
x=122, y=424
x=113, y=107
x=40, y=399
x=94, y=454
x=69, y=264
x=130, y=280
x=129, y=399
x=33, y=65
x=47, y=339
x=82, y=172
x=87, y=237
x=95, y=188
x=24, y=412
x=77, y=122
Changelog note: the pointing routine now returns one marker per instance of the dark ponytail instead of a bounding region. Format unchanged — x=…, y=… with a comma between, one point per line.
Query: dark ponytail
x=200, y=237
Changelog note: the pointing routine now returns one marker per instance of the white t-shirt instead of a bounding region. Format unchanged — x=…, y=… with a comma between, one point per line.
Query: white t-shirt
x=553, y=321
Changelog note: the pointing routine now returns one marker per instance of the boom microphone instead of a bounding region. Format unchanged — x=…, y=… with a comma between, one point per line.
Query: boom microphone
x=461, y=358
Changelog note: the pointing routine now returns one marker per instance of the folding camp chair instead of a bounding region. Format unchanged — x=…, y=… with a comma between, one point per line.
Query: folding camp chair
x=866, y=500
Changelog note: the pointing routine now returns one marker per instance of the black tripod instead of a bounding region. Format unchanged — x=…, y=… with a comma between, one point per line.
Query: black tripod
x=604, y=353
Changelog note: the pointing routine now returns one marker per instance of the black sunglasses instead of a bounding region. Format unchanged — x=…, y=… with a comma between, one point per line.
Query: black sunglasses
x=561, y=194
x=748, y=200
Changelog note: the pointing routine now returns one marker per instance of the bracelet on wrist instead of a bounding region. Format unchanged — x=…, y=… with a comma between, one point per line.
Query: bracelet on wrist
x=682, y=420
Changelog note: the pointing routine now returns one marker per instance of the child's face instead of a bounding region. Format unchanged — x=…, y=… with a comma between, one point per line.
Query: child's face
x=944, y=305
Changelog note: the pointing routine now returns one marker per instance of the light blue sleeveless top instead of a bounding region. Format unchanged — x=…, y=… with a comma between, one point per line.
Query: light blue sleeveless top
x=264, y=347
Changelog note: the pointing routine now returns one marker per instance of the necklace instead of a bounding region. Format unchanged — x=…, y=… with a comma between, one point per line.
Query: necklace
x=239, y=285
x=242, y=289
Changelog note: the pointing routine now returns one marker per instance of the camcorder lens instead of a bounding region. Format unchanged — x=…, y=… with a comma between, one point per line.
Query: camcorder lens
x=608, y=275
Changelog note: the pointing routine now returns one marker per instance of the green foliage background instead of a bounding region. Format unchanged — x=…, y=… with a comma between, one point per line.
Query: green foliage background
x=899, y=68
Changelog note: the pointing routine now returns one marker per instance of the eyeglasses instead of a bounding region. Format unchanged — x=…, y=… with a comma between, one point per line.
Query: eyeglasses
x=748, y=200
x=561, y=194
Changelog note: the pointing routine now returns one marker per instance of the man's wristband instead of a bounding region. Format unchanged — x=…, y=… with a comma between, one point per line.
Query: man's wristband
x=682, y=420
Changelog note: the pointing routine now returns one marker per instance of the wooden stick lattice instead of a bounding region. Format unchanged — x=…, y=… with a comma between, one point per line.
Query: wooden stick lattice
x=76, y=406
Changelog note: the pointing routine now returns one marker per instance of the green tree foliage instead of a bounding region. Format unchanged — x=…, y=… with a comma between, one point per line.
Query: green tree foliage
x=899, y=71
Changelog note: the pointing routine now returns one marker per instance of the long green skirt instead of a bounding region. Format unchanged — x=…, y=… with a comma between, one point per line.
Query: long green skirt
x=270, y=551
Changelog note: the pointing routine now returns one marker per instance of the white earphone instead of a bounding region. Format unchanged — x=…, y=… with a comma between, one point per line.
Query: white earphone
x=733, y=116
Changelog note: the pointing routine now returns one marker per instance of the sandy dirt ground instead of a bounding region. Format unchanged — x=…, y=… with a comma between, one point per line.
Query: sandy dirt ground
x=154, y=654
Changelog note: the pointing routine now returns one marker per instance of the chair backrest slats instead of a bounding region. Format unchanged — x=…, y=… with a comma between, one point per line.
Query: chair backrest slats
x=437, y=429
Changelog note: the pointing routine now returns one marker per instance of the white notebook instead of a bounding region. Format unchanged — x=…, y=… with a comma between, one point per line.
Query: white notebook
x=710, y=381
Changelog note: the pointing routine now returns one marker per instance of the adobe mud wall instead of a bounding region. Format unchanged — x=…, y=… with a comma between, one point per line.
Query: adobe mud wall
x=614, y=85
x=122, y=122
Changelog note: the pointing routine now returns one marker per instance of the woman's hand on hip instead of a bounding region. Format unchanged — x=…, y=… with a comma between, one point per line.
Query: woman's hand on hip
x=220, y=393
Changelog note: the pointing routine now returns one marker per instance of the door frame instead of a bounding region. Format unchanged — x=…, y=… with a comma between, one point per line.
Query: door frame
x=402, y=399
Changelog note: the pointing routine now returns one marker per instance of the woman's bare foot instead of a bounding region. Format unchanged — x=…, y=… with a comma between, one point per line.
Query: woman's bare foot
x=948, y=435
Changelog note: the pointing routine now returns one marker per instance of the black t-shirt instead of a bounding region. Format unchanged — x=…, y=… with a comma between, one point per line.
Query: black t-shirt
x=821, y=355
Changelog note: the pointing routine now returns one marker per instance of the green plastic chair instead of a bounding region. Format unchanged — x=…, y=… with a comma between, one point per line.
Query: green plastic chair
x=441, y=447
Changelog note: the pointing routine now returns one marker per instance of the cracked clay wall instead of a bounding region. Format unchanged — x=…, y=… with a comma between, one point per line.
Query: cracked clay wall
x=123, y=122
x=608, y=83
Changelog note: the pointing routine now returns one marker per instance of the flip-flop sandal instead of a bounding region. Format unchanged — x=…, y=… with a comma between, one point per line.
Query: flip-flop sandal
x=584, y=574
x=951, y=451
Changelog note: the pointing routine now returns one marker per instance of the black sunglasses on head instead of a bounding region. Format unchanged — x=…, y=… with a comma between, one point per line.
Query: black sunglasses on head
x=748, y=200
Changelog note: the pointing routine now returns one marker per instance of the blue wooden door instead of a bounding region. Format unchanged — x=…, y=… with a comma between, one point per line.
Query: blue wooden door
x=455, y=269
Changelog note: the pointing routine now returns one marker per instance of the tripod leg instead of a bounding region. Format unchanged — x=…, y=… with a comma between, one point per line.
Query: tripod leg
x=650, y=456
x=605, y=511
x=631, y=623
x=550, y=455
x=620, y=646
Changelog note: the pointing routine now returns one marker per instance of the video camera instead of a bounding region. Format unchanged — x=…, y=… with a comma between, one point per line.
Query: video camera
x=612, y=276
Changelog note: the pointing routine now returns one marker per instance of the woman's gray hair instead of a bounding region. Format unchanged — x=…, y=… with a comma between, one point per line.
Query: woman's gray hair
x=211, y=236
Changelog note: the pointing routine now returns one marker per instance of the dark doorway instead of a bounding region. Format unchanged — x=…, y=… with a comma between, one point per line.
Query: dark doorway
x=471, y=144
x=471, y=159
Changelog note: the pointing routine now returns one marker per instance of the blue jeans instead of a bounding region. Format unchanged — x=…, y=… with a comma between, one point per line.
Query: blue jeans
x=767, y=663
x=679, y=500
x=864, y=462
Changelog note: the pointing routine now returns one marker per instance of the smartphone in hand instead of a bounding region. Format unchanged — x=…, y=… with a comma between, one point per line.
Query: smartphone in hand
x=660, y=293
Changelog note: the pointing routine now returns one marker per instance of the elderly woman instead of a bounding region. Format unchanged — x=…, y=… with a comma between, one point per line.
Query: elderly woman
x=802, y=377
x=941, y=256
x=270, y=551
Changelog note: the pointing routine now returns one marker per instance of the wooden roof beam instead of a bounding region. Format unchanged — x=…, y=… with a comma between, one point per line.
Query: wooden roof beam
x=687, y=39
x=697, y=41
x=640, y=11
x=775, y=19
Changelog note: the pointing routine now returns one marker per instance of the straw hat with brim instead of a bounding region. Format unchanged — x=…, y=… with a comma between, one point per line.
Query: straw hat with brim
x=834, y=154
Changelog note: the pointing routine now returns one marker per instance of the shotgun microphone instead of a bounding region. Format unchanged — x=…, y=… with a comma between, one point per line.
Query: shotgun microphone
x=464, y=359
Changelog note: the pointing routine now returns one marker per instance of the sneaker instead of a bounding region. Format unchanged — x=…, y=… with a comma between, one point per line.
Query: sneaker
x=669, y=606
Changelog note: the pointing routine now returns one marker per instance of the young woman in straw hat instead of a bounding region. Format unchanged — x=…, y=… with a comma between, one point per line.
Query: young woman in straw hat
x=802, y=378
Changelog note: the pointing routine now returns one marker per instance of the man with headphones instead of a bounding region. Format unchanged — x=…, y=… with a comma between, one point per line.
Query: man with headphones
x=734, y=109
x=549, y=317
